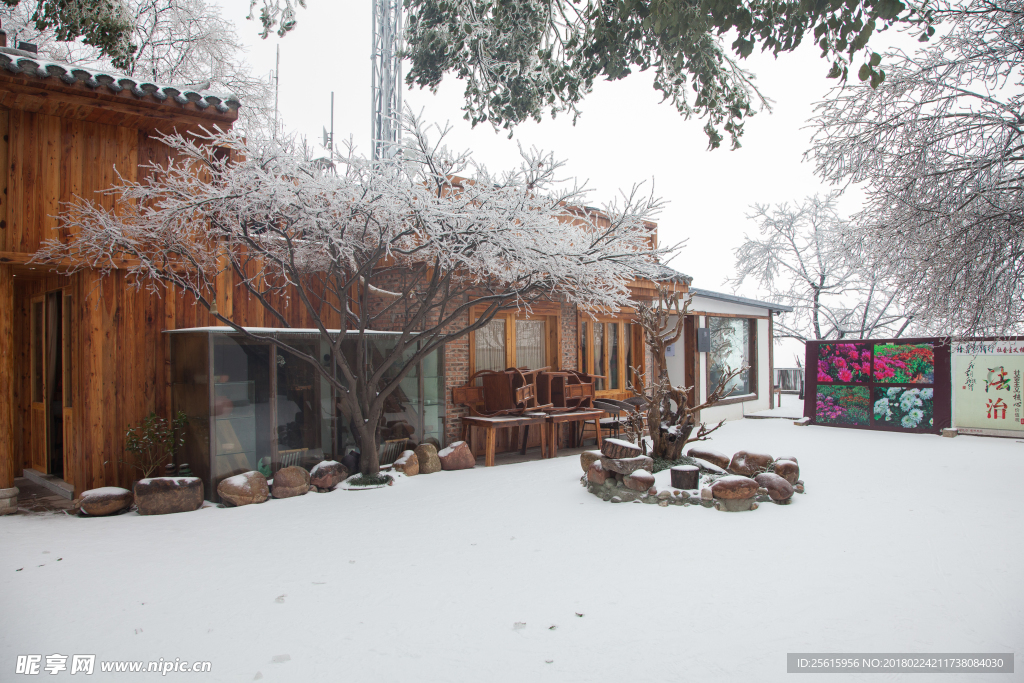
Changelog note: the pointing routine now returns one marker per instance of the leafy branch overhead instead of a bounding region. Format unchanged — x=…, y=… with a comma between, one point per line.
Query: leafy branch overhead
x=523, y=58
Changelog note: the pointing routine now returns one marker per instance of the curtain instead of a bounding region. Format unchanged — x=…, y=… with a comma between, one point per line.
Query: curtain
x=490, y=346
x=531, y=348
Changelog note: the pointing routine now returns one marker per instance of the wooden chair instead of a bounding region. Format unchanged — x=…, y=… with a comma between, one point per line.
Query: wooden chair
x=566, y=390
x=390, y=450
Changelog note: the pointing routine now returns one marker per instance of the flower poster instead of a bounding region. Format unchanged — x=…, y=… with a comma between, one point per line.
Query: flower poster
x=987, y=379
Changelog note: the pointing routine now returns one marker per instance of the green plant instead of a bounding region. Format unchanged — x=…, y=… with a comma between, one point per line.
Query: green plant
x=370, y=480
x=154, y=442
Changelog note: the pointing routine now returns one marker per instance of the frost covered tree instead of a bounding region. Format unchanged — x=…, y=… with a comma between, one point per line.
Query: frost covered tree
x=181, y=42
x=105, y=25
x=809, y=258
x=939, y=150
x=522, y=58
x=409, y=245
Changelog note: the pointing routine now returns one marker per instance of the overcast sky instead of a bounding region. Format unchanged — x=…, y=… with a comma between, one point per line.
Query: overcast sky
x=625, y=135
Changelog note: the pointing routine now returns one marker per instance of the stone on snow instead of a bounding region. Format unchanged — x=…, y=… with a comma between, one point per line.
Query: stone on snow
x=105, y=501
x=327, y=474
x=589, y=457
x=639, y=480
x=734, y=487
x=778, y=488
x=788, y=470
x=628, y=465
x=706, y=454
x=166, y=495
x=408, y=464
x=457, y=457
x=428, y=460
x=244, y=489
x=290, y=481
x=748, y=464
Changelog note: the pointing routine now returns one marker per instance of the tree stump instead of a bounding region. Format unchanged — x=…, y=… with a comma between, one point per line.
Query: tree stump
x=685, y=476
x=617, y=448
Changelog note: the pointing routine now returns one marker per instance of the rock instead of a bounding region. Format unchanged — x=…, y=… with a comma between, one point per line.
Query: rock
x=787, y=457
x=734, y=488
x=401, y=430
x=408, y=464
x=617, y=448
x=799, y=488
x=433, y=442
x=105, y=501
x=426, y=454
x=735, y=504
x=705, y=494
x=457, y=457
x=708, y=455
x=788, y=470
x=778, y=487
x=9, y=500
x=665, y=495
x=802, y=422
x=685, y=476
x=314, y=489
x=166, y=495
x=244, y=489
x=663, y=503
x=616, y=499
x=290, y=481
x=588, y=457
x=628, y=465
x=748, y=464
x=351, y=461
x=639, y=480
x=597, y=474
x=327, y=474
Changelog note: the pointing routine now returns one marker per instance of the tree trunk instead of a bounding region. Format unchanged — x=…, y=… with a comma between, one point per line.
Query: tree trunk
x=369, y=463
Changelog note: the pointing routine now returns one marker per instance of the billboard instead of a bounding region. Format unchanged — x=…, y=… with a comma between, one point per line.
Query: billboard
x=987, y=378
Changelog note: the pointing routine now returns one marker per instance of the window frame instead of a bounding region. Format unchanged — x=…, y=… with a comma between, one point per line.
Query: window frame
x=549, y=313
x=585, y=361
x=752, y=341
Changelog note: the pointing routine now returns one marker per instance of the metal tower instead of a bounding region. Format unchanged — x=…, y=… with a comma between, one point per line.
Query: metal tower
x=386, y=101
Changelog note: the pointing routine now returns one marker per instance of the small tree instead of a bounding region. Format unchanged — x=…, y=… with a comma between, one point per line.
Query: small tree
x=154, y=442
x=409, y=245
x=671, y=411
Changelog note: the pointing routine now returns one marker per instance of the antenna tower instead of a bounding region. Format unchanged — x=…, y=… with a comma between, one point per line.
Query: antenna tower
x=386, y=100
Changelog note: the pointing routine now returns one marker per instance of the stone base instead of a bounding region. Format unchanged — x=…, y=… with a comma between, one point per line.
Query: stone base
x=735, y=504
x=950, y=432
x=9, y=501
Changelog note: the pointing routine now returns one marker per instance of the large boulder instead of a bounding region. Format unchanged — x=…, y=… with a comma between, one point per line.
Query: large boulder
x=351, y=461
x=734, y=487
x=105, y=501
x=327, y=474
x=639, y=480
x=247, y=488
x=457, y=457
x=166, y=495
x=778, y=488
x=597, y=474
x=408, y=464
x=401, y=430
x=628, y=465
x=290, y=482
x=428, y=460
x=788, y=470
x=787, y=457
x=587, y=458
x=748, y=464
x=707, y=455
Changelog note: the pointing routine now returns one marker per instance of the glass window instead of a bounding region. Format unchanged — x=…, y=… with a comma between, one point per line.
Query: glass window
x=613, y=356
x=627, y=351
x=730, y=350
x=584, y=345
x=599, y=368
x=241, y=407
x=531, y=347
x=490, y=346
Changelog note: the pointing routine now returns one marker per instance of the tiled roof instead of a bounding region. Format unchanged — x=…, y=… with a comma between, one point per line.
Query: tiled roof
x=21, y=62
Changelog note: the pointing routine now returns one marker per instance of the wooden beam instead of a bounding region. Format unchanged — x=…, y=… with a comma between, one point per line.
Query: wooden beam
x=6, y=377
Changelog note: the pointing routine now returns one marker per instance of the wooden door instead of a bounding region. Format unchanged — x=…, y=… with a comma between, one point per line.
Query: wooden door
x=67, y=348
x=39, y=435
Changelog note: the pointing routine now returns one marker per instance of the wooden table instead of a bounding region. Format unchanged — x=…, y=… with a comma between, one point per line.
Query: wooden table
x=491, y=425
x=556, y=419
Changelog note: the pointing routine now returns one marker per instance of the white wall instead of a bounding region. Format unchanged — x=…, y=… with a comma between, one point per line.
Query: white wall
x=732, y=411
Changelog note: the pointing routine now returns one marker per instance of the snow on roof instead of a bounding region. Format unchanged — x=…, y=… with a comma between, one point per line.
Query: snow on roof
x=672, y=275
x=708, y=294
x=22, y=62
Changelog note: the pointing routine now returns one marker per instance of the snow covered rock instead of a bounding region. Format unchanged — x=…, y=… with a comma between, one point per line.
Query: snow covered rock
x=166, y=495
x=791, y=458
x=685, y=476
x=291, y=481
x=597, y=474
x=426, y=454
x=327, y=474
x=244, y=489
x=778, y=488
x=619, y=449
x=639, y=480
x=734, y=487
x=708, y=455
x=457, y=457
x=587, y=458
x=408, y=464
x=748, y=464
x=401, y=430
x=105, y=501
x=627, y=465
x=788, y=470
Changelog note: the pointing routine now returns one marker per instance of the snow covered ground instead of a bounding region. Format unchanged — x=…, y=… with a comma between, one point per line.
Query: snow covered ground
x=902, y=543
x=791, y=407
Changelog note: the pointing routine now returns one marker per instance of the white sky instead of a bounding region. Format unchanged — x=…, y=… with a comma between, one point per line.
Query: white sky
x=624, y=135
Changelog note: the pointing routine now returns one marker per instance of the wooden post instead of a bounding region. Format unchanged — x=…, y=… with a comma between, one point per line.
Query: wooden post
x=8, y=493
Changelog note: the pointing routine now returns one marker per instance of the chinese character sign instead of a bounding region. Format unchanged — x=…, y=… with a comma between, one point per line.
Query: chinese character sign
x=987, y=387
